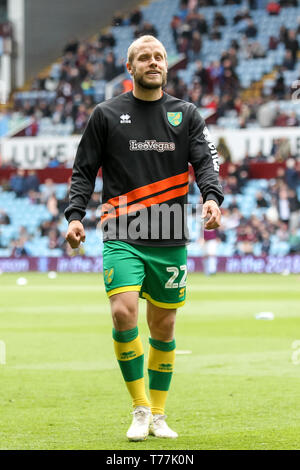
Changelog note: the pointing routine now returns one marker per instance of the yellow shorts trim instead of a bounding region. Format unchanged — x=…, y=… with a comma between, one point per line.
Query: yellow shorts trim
x=118, y=290
x=162, y=304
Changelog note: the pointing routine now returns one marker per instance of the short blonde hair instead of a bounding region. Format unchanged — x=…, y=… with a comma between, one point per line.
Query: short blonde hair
x=134, y=44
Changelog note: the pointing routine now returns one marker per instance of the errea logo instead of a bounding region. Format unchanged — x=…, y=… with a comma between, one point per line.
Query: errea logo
x=125, y=119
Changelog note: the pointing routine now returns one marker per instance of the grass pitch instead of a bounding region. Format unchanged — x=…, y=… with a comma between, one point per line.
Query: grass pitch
x=238, y=388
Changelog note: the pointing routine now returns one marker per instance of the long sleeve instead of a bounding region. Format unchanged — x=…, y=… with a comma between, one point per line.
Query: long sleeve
x=87, y=162
x=204, y=159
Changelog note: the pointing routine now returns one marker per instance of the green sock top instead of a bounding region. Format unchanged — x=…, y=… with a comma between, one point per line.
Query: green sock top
x=163, y=345
x=125, y=336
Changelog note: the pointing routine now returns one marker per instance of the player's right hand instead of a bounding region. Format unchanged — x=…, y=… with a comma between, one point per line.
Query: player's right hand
x=75, y=234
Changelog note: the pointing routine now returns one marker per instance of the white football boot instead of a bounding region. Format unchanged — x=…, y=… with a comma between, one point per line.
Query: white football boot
x=139, y=429
x=159, y=428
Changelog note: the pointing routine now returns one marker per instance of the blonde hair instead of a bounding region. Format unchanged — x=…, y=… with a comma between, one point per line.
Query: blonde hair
x=134, y=44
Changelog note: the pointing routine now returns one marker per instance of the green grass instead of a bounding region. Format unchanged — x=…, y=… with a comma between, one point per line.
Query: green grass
x=61, y=387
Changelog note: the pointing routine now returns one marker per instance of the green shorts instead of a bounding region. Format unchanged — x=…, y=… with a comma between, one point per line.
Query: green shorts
x=157, y=273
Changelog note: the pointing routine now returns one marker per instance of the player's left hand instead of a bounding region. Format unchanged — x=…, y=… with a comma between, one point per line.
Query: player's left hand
x=211, y=209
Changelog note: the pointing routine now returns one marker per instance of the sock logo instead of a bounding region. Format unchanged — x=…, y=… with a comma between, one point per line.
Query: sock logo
x=165, y=367
x=128, y=355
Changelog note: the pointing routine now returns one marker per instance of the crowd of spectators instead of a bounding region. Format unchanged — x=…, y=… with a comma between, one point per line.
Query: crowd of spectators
x=217, y=86
x=279, y=202
x=279, y=218
x=71, y=85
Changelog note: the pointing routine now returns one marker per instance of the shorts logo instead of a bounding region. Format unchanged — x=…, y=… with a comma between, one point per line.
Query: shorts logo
x=165, y=367
x=175, y=118
x=181, y=292
x=108, y=275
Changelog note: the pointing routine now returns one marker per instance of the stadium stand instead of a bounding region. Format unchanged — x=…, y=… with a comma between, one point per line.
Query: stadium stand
x=234, y=51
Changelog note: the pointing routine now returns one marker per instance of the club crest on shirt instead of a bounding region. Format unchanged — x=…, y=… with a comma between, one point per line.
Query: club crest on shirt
x=174, y=118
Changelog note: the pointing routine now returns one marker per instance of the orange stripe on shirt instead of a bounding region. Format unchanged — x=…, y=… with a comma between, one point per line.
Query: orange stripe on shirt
x=151, y=188
x=167, y=196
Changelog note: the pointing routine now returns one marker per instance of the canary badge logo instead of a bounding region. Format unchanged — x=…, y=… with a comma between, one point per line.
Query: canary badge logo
x=175, y=118
x=108, y=275
x=182, y=292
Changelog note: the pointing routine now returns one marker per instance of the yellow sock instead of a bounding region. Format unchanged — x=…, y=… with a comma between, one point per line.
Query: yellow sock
x=130, y=355
x=160, y=369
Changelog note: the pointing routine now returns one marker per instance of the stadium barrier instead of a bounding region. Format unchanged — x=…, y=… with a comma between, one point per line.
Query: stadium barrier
x=36, y=152
x=289, y=264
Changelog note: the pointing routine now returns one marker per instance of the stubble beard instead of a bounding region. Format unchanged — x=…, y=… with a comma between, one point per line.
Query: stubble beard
x=139, y=79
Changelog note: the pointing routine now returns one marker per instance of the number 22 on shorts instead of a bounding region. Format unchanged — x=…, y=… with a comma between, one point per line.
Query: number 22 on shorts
x=171, y=284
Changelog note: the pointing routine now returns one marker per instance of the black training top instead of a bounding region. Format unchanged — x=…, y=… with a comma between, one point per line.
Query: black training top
x=144, y=149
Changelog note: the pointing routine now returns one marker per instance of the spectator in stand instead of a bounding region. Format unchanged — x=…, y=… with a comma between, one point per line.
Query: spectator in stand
x=292, y=44
x=111, y=68
x=260, y=157
x=18, y=183
x=19, y=247
x=81, y=119
x=195, y=46
x=292, y=120
x=283, y=205
x=202, y=26
x=48, y=189
x=261, y=202
x=202, y=75
x=215, y=34
x=52, y=206
x=219, y=19
x=273, y=8
x=250, y=30
x=291, y=174
x=106, y=41
x=283, y=34
x=214, y=74
x=145, y=29
x=55, y=239
x=273, y=43
x=257, y=51
x=136, y=17
x=71, y=47
x=279, y=87
x=272, y=213
x=32, y=181
x=288, y=62
x=294, y=206
x=53, y=162
x=182, y=12
x=175, y=24
x=195, y=21
x=4, y=218
x=294, y=241
x=118, y=19
x=241, y=15
x=265, y=243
